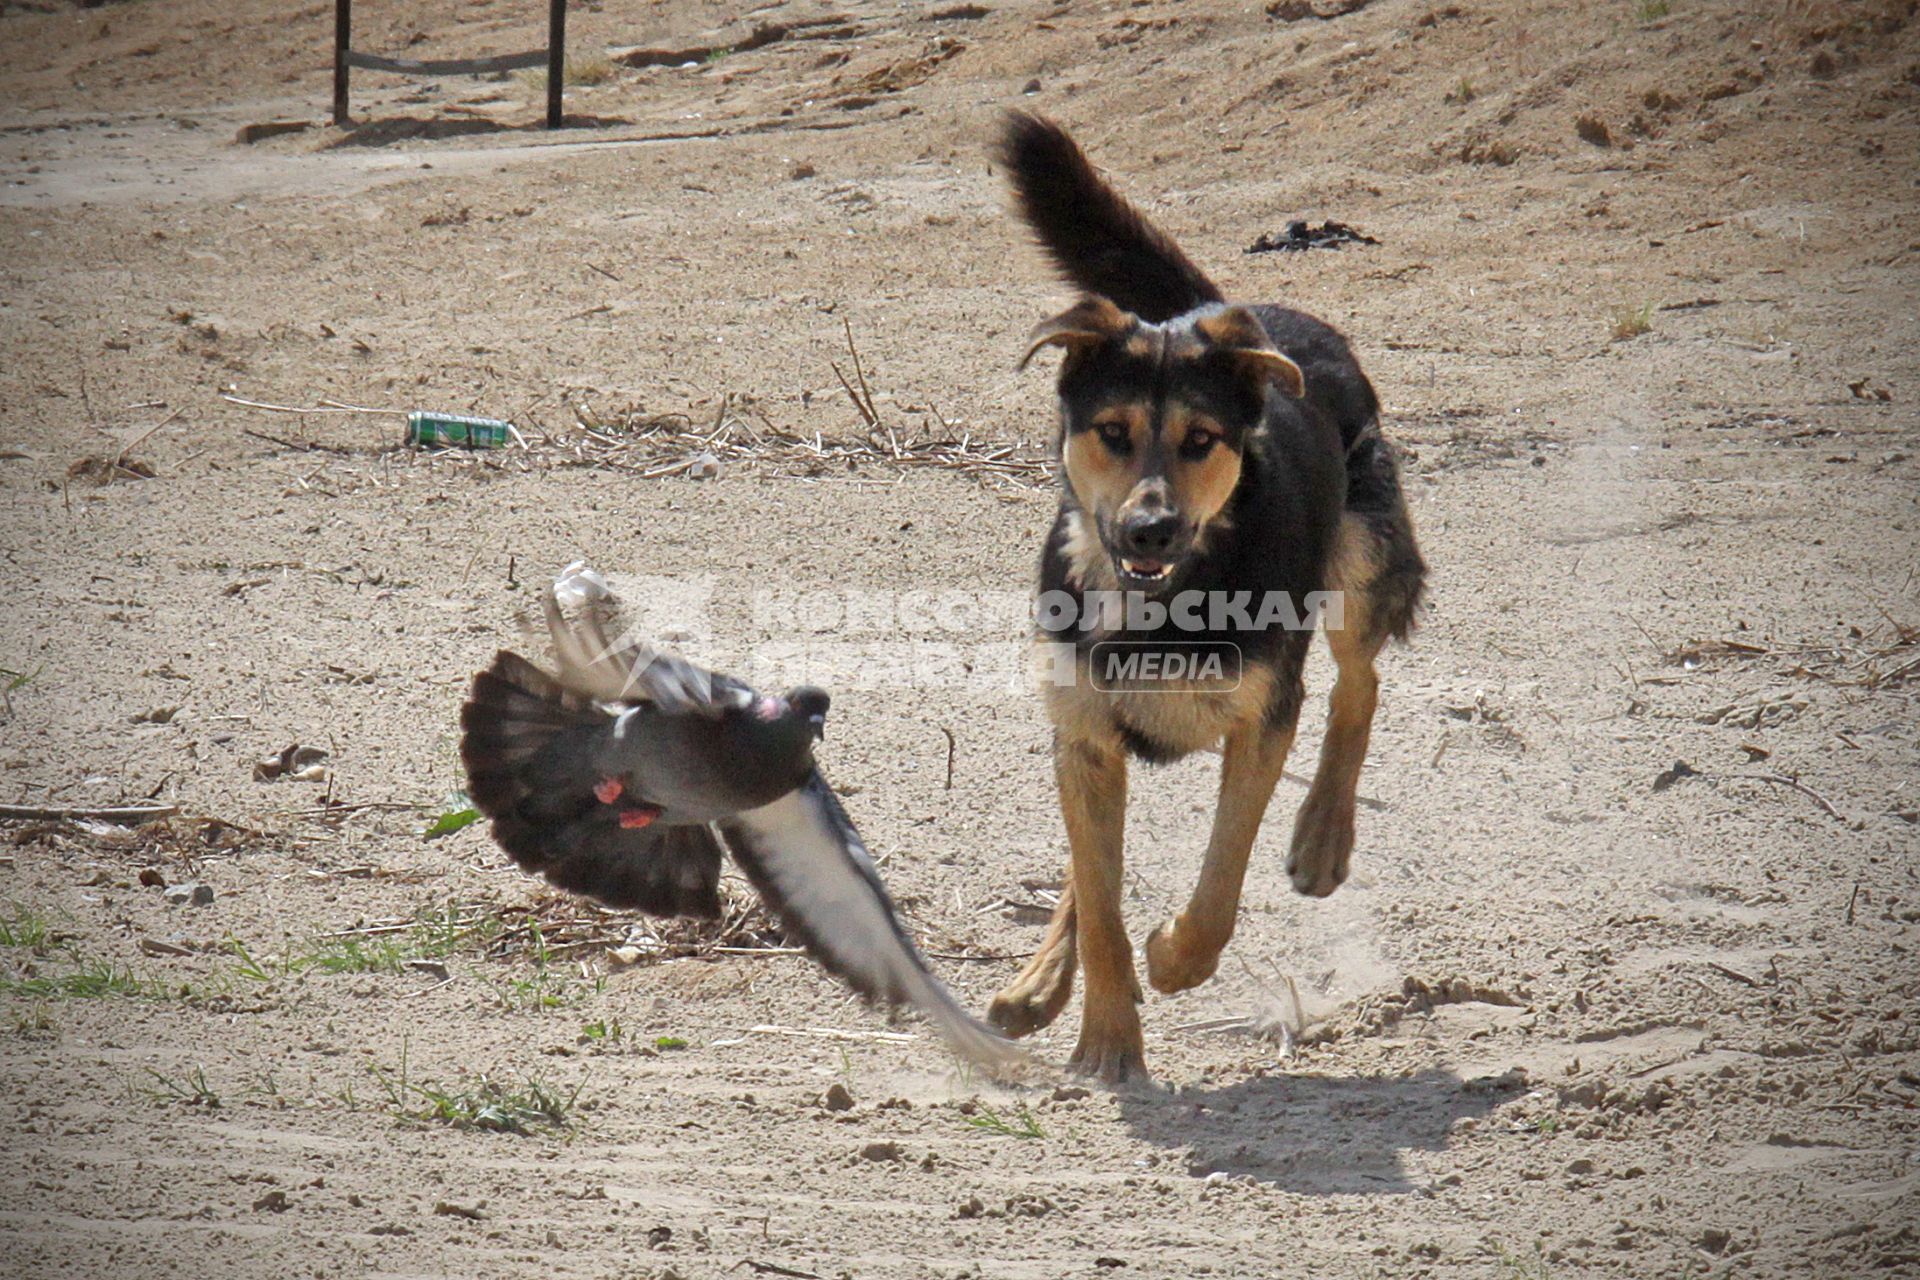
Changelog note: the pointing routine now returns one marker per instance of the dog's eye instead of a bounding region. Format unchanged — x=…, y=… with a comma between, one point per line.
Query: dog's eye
x=1114, y=435
x=1198, y=443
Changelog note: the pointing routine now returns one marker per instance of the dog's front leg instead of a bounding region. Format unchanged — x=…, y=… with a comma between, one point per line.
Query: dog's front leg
x=1185, y=951
x=1093, y=800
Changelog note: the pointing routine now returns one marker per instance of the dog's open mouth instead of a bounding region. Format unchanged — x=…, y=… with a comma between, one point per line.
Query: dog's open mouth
x=1143, y=572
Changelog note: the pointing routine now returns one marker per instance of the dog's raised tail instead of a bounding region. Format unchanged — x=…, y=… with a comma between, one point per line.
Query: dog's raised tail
x=1098, y=241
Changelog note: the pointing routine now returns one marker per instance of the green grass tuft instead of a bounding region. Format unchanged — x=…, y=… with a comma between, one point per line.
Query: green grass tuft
x=487, y=1105
x=1631, y=321
x=25, y=927
x=1021, y=1124
x=191, y=1089
x=93, y=980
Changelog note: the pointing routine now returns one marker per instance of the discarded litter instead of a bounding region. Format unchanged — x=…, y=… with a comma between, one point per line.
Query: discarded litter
x=1301, y=236
x=456, y=429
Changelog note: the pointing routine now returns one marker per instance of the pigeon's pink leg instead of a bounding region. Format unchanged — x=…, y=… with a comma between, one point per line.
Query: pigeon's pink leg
x=639, y=816
x=607, y=790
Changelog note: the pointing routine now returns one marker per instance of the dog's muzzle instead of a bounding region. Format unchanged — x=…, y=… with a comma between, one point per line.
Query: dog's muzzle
x=1147, y=548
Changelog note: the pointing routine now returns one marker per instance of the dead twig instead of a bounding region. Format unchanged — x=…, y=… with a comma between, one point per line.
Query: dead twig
x=1782, y=780
x=774, y=1269
x=127, y=448
x=1735, y=974
x=859, y=373
x=97, y=813
x=326, y=406
x=866, y=411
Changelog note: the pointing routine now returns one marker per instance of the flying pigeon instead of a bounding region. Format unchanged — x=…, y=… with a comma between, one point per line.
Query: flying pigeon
x=619, y=776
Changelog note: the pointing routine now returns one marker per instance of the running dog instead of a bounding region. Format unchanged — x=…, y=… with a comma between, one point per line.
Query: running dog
x=1216, y=458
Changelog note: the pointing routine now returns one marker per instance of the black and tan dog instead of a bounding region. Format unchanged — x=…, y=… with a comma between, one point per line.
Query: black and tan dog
x=1215, y=457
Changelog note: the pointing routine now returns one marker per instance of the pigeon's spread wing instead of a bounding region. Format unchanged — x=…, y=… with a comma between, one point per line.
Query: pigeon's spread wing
x=627, y=669
x=803, y=855
x=528, y=743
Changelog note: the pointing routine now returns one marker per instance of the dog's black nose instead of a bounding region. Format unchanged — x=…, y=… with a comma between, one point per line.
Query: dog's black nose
x=1150, y=533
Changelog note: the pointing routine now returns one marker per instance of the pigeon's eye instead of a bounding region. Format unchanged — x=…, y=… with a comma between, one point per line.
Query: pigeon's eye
x=1113, y=433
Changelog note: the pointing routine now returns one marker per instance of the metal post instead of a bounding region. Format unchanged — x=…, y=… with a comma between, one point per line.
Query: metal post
x=342, y=41
x=556, y=58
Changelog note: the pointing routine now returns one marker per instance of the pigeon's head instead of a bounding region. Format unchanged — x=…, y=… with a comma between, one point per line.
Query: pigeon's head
x=810, y=704
x=803, y=705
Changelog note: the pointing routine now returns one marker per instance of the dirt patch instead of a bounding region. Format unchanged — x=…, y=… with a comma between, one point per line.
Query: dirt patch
x=1656, y=404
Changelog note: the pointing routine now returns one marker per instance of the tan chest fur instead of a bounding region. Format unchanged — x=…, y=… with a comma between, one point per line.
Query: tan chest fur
x=1181, y=714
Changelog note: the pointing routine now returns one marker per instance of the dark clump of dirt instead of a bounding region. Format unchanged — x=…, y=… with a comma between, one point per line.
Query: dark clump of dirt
x=1301, y=236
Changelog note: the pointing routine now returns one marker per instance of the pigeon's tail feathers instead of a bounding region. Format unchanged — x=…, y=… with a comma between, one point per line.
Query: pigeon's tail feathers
x=528, y=742
x=803, y=855
x=1097, y=241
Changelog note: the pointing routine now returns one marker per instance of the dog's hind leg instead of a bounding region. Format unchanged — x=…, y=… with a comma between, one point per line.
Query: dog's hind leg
x=1185, y=951
x=1380, y=580
x=1035, y=997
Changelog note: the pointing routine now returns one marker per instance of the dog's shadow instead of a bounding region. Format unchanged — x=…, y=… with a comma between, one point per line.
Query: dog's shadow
x=1316, y=1135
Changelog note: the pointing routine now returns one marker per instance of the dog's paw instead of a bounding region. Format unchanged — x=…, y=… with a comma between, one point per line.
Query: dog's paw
x=1114, y=1057
x=1021, y=1013
x=1033, y=1000
x=1174, y=963
x=1322, y=851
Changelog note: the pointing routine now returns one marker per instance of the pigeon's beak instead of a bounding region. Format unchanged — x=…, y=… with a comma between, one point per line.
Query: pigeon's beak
x=819, y=723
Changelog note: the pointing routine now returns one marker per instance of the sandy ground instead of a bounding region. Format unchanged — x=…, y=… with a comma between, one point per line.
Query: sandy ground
x=1581, y=1011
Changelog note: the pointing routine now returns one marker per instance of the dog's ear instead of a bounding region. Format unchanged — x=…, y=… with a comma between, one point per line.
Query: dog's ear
x=1240, y=333
x=1086, y=324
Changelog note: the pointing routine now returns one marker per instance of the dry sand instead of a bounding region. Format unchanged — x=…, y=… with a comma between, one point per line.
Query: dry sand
x=1569, y=1021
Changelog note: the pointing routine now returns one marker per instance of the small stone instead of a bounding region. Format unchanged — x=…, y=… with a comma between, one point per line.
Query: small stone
x=190, y=893
x=705, y=467
x=1030, y=1207
x=838, y=1098
x=1072, y=1093
x=1580, y=1166
x=971, y=1207
x=658, y=1237
x=1030, y=87
x=801, y=171
x=1218, y=1178
x=152, y=878
x=883, y=1150
x=1594, y=130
